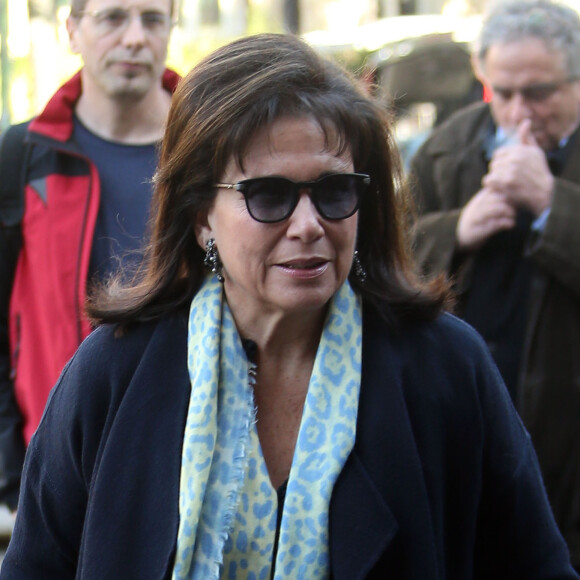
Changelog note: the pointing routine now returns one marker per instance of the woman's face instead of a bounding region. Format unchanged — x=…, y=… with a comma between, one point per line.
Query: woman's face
x=293, y=266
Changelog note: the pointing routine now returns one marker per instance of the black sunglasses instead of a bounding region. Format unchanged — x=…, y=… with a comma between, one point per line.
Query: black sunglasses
x=273, y=199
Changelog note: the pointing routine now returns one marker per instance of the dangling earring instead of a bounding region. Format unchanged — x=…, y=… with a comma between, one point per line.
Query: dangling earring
x=212, y=259
x=358, y=269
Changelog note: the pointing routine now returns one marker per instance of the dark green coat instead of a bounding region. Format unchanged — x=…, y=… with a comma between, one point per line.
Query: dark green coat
x=445, y=174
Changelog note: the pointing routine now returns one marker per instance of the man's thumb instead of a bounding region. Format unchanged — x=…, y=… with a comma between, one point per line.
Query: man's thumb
x=525, y=135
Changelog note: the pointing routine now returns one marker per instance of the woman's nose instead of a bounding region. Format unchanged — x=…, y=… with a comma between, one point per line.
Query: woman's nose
x=305, y=221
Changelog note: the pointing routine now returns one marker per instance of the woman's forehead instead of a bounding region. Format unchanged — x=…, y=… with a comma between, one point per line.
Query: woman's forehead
x=288, y=132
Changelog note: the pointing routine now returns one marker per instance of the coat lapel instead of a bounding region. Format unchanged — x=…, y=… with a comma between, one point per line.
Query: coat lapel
x=361, y=523
x=381, y=494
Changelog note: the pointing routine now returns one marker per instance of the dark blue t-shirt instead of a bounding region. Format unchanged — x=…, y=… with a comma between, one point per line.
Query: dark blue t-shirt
x=125, y=172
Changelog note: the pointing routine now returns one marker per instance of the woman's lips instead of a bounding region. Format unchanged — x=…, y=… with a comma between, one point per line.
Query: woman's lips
x=311, y=268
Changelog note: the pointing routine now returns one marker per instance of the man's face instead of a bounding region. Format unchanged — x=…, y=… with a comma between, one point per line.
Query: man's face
x=528, y=81
x=123, y=44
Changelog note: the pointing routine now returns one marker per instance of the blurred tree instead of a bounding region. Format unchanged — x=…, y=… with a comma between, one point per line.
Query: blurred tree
x=5, y=65
x=292, y=16
x=209, y=12
x=41, y=9
x=46, y=9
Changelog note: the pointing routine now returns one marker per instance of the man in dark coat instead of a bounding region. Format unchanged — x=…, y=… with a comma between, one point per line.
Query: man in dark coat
x=498, y=191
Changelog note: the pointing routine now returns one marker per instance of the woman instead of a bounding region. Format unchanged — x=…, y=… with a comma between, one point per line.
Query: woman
x=305, y=410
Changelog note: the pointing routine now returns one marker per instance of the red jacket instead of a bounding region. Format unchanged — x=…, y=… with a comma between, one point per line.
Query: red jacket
x=61, y=198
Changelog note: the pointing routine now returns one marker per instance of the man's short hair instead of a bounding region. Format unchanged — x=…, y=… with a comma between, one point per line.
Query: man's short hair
x=77, y=6
x=554, y=23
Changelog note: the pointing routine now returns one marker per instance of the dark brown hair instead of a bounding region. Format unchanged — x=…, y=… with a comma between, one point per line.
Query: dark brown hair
x=216, y=109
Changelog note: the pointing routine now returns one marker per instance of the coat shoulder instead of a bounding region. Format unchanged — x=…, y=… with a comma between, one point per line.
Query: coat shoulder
x=107, y=364
x=443, y=364
x=446, y=334
x=109, y=344
x=459, y=129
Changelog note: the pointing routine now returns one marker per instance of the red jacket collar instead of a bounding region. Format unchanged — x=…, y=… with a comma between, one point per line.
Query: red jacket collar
x=56, y=120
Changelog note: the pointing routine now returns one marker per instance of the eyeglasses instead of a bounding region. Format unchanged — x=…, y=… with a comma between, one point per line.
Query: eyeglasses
x=114, y=20
x=274, y=199
x=537, y=93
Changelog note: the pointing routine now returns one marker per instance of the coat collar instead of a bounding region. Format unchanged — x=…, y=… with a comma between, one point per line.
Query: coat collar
x=571, y=170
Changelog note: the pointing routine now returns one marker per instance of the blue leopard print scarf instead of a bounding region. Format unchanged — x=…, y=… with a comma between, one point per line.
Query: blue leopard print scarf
x=227, y=505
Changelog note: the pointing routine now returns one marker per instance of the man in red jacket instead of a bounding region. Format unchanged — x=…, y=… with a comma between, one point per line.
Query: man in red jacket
x=84, y=204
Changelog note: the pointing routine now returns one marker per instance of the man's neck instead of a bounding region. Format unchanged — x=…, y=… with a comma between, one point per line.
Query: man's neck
x=125, y=121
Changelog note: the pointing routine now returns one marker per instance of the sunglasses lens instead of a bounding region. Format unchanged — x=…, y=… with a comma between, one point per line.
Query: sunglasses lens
x=337, y=196
x=273, y=199
x=269, y=199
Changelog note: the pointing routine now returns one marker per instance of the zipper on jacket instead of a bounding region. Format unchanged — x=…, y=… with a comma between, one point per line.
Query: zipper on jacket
x=78, y=281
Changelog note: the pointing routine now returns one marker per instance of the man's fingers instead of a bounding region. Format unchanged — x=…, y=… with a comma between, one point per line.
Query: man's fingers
x=486, y=214
x=525, y=135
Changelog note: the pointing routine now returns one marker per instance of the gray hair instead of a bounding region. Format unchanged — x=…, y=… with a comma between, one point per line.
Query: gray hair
x=555, y=24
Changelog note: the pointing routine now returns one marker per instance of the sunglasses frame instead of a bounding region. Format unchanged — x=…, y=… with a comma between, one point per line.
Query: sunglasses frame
x=296, y=186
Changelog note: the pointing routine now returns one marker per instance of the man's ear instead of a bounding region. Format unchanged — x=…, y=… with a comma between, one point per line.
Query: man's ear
x=71, y=27
x=478, y=69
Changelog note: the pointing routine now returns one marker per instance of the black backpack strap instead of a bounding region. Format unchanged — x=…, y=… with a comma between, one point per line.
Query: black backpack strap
x=13, y=162
x=14, y=152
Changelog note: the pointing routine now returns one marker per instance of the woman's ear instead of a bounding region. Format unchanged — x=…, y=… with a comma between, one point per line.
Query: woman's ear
x=202, y=229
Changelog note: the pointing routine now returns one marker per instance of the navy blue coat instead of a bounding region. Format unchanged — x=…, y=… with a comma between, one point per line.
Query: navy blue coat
x=442, y=483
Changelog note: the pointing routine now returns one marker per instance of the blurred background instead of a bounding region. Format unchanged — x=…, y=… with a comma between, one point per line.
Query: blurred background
x=416, y=52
